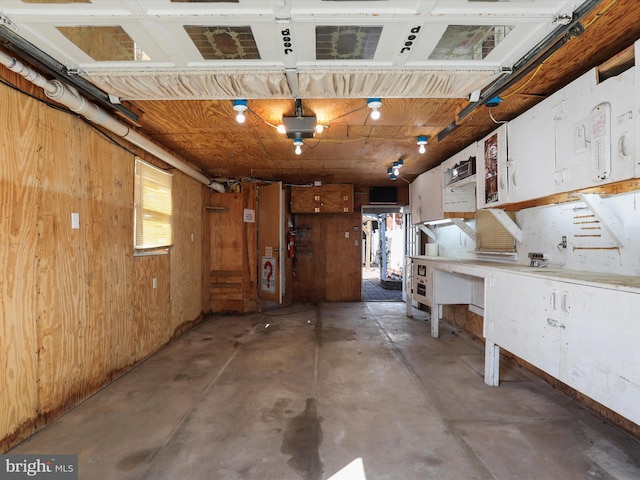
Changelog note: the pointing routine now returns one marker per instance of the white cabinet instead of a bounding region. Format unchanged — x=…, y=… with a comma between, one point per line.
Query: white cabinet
x=492, y=169
x=519, y=316
x=583, y=335
x=599, y=353
x=460, y=195
x=416, y=191
x=425, y=194
x=532, y=153
x=595, y=131
x=584, y=135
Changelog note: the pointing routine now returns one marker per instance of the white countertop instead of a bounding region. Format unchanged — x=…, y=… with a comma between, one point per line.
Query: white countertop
x=483, y=268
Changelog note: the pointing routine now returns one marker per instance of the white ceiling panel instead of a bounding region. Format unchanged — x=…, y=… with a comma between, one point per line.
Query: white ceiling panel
x=380, y=36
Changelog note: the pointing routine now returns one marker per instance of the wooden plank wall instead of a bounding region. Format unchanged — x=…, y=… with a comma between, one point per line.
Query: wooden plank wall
x=78, y=309
x=331, y=271
x=233, y=261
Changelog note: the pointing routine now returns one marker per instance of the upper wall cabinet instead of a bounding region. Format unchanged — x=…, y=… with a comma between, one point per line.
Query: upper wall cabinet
x=532, y=153
x=333, y=198
x=596, y=131
x=459, y=180
x=426, y=196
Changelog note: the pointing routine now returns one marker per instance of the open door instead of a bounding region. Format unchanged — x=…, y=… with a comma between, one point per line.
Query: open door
x=270, y=219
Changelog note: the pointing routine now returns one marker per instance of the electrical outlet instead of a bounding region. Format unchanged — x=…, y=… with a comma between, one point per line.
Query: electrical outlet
x=564, y=241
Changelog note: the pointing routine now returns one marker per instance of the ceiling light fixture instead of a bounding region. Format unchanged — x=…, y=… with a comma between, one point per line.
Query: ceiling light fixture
x=374, y=104
x=298, y=143
x=240, y=106
x=422, y=141
x=394, y=170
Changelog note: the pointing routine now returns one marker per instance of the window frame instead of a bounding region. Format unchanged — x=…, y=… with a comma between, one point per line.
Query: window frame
x=152, y=240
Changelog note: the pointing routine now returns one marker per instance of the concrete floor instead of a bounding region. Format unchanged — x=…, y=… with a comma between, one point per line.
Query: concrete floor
x=304, y=391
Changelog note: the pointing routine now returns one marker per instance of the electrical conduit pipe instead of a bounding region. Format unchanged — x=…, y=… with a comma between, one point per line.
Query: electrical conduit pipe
x=70, y=98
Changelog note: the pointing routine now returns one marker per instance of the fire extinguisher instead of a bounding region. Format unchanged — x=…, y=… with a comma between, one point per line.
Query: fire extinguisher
x=291, y=244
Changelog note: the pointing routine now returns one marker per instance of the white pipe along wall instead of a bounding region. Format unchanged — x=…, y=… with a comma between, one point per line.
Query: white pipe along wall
x=70, y=98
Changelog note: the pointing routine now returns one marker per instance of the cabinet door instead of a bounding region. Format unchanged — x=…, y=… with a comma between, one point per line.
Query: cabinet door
x=426, y=196
x=336, y=198
x=532, y=154
x=431, y=198
x=492, y=174
x=416, y=190
x=332, y=198
x=596, y=130
x=599, y=353
x=572, y=125
x=519, y=317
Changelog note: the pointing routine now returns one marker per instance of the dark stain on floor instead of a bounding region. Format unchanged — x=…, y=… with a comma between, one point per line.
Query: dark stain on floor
x=135, y=459
x=337, y=334
x=301, y=439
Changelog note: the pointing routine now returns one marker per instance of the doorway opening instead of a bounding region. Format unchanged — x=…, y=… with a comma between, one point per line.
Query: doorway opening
x=383, y=253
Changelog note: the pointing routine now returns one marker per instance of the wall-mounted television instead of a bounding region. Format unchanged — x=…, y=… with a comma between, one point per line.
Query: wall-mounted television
x=379, y=195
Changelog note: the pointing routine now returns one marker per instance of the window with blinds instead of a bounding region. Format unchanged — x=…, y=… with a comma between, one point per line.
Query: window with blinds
x=153, y=207
x=491, y=236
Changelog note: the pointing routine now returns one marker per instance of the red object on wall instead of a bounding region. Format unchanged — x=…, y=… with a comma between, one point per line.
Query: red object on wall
x=291, y=245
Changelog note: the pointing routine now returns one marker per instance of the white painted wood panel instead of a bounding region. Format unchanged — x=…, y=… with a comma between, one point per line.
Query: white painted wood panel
x=599, y=354
x=532, y=153
x=521, y=319
x=426, y=196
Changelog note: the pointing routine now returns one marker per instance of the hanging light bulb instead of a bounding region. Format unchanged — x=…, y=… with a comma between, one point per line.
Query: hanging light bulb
x=240, y=106
x=374, y=104
x=281, y=129
x=319, y=128
x=422, y=141
x=297, y=142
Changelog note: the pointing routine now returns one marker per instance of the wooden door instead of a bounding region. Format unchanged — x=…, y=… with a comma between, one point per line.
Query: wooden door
x=270, y=219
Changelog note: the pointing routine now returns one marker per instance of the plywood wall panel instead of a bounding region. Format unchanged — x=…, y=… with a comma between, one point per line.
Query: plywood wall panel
x=62, y=287
x=344, y=258
x=18, y=239
x=118, y=174
x=250, y=274
x=78, y=309
x=329, y=269
x=227, y=245
x=232, y=275
x=152, y=306
x=205, y=219
x=185, y=259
